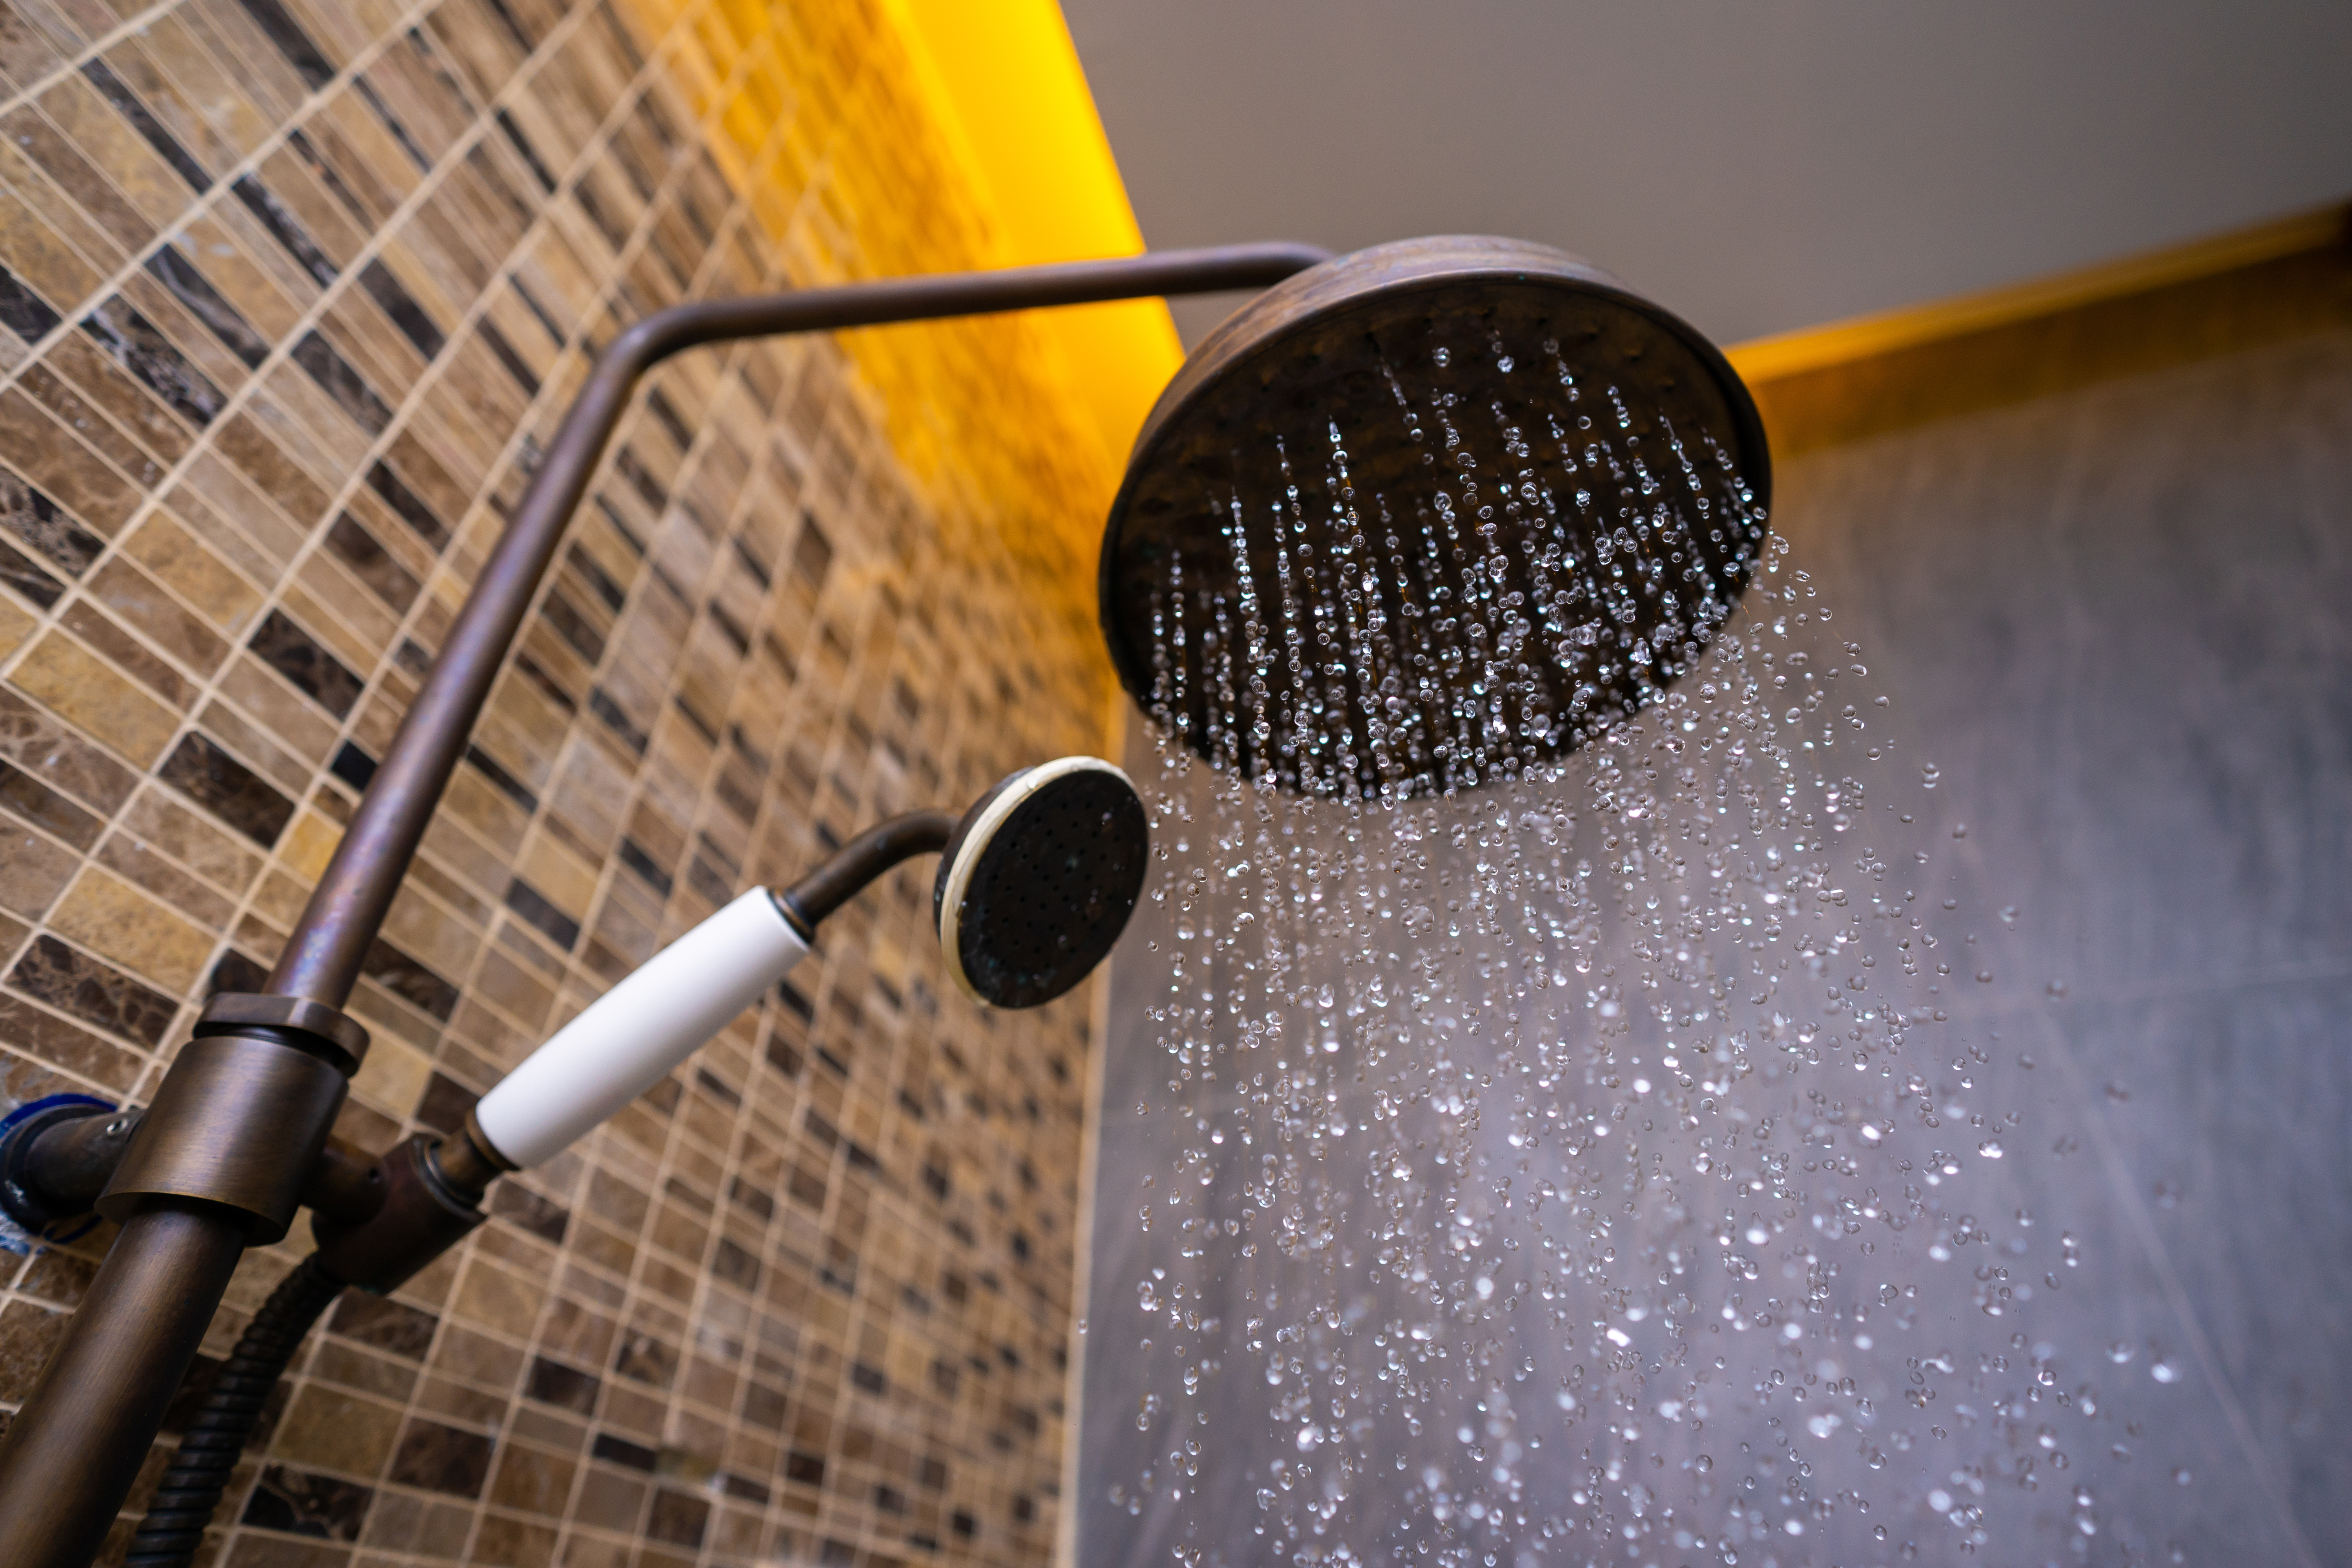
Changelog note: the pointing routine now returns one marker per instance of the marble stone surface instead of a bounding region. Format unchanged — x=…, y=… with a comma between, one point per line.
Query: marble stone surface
x=293, y=296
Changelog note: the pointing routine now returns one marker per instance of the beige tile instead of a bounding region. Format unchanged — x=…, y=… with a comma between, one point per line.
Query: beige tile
x=117, y=151
x=66, y=192
x=292, y=719
x=139, y=66
x=46, y=260
x=194, y=572
x=392, y=1075
x=140, y=601
x=109, y=916
x=17, y=624
x=33, y=869
x=352, y=621
x=211, y=91
x=95, y=698
x=130, y=857
x=336, y=1431
x=308, y=843
x=220, y=253
x=162, y=824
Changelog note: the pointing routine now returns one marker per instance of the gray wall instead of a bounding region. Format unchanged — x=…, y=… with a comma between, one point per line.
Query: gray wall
x=2115, y=622
x=1758, y=167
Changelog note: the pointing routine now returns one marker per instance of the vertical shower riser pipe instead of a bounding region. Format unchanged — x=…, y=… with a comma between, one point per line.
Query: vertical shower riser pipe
x=68, y=1458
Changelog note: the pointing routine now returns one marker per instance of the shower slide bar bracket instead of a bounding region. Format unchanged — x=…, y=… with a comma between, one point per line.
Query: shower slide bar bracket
x=237, y=1136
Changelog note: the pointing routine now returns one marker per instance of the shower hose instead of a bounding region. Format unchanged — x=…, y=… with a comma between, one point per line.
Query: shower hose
x=191, y=1489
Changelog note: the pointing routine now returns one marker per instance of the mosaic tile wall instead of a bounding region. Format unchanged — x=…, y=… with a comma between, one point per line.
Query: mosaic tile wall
x=292, y=290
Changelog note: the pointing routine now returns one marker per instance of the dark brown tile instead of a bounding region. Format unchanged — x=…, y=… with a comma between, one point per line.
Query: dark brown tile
x=38, y=521
x=678, y=1519
x=430, y=476
x=645, y=1359
x=188, y=336
x=36, y=803
x=307, y=665
x=370, y=188
x=525, y=1210
x=342, y=383
x=370, y=562
x=173, y=268
x=124, y=335
x=553, y=1382
x=302, y=1503
x=96, y=992
x=22, y=575
x=203, y=769
x=441, y=1458
x=414, y=983
x=68, y=1046
x=286, y=228
x=299, y=48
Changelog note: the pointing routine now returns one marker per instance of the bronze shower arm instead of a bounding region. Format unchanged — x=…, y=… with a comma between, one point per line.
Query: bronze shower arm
x=322, y=958
x=69, y=1458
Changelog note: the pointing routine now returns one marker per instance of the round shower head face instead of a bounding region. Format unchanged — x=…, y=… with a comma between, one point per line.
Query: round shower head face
x=1430, y=514
x=1039, y=880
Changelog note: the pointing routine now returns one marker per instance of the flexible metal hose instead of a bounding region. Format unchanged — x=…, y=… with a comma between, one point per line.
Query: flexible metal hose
x=191, y=1489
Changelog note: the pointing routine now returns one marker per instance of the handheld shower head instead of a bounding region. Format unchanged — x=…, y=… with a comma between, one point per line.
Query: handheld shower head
x=1035, y=883
x=1430, y=513
x=1039, y=879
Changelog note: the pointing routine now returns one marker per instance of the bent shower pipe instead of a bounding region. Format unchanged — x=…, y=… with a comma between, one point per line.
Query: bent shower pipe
x=221, y=1156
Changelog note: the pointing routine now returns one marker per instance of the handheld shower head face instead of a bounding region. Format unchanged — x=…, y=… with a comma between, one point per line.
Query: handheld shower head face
x=1427, y=514
x=1039, y=880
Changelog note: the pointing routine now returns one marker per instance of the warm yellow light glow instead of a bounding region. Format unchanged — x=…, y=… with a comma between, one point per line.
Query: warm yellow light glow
x=1012, y=83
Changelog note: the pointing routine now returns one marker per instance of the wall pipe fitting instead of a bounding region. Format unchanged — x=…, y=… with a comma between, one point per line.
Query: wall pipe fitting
x=69, y=1458
x=58, y=1157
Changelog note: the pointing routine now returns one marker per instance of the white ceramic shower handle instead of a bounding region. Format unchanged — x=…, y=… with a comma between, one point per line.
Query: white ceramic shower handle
x=632, y=1035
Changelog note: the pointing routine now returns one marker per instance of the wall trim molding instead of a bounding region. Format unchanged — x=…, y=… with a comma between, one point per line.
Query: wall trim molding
x=1898, y=369
x=1909, y=326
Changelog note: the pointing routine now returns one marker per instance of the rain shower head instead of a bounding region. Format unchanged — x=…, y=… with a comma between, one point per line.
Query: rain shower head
x=1039, y=879
x=1428, y=514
